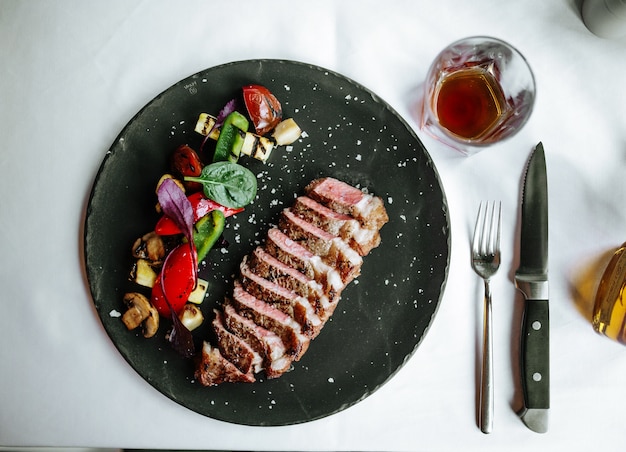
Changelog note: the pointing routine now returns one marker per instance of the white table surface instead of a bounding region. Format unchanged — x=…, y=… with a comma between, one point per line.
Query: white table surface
x=72, y=74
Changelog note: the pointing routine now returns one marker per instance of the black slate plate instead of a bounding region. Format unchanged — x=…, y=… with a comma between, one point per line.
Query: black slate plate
x=350, y=134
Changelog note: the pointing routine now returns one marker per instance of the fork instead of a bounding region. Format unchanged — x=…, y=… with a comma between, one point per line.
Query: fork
x=485, y=262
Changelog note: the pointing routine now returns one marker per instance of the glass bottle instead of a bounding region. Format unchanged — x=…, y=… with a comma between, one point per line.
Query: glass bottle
x=609, y=312
x=605, y=18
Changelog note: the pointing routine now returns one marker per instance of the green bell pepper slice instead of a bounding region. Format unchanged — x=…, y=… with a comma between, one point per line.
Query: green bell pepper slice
x=206, y=231
x=230, y=141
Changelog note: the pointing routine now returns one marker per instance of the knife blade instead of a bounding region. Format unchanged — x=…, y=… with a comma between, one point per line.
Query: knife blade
x=531, y=278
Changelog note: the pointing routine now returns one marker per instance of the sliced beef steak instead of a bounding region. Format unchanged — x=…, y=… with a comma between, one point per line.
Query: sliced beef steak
x=288, y=288
x=333, y=250
x=297, y=256
x=266, y=343
x=235, y=349
x=213, y=369
x=360, y=238
x=267, y=266
x=343, y=198
x=288, y=301
x=271, y=318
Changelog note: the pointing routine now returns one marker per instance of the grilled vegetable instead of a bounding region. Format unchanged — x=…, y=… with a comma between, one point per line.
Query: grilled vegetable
x=201, y=206
x=186, y=162
x=230, y=141
x=143, y=274
x=191, y=316
x=286, y=132
x=140, y=312
x=149, y=247
x=198, y=294
x=176, y=281
x=253, y=145
x=263, y=108
x=207, y=230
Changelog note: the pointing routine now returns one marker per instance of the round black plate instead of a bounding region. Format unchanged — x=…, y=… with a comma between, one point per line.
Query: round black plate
x=350, y=134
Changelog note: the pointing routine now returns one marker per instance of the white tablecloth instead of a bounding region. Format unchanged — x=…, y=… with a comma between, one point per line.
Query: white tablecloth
x=74, y=72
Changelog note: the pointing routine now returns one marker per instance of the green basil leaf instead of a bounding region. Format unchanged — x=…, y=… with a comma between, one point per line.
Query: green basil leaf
x=227, y=183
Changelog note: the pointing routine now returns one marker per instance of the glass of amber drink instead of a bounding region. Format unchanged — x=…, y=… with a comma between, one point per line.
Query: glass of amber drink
x=478, y=91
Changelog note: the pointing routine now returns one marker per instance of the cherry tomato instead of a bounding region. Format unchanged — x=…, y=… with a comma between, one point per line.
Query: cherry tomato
x=263, y=108
x=185, y=162
x=201, y=206
x=176, y=281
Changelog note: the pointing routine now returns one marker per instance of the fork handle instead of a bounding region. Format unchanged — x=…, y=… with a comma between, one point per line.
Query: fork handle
x=486, y=376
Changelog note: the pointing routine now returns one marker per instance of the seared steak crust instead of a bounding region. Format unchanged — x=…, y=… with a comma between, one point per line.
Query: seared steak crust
x=213, y=369
x=235, y=349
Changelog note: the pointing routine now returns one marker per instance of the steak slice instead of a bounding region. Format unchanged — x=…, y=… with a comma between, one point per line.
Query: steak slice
x=271, y=318
x=344, y=198
x=264, y=342
x=235, y=349
x=360, y=238
x=295, y=255
x=267, y=266
x=288, y=301
x=330, y=248
x=213, y=369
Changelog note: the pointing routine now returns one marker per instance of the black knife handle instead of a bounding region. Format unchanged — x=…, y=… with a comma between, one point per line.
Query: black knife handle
x=535, y=354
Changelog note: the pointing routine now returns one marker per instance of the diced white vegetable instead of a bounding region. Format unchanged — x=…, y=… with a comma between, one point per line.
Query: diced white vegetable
x=205, y=124
x=143, y=273
x=197, y=296
x=191, y=316
x=286, y=132
x=263, y=149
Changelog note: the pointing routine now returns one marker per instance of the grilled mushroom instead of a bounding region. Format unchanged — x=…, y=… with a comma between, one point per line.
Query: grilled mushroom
x=150, y=247
x=140, y=312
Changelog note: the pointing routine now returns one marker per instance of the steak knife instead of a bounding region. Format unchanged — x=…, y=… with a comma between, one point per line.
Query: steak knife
x=531, y=278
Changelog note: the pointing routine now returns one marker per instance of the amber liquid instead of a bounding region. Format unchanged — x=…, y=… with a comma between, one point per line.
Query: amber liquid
x=469, y=103
x=609, y=314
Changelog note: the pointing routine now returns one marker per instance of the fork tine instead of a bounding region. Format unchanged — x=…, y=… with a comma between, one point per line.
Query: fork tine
x=495, y=226
x=486, y=229
x=493, y=240
x=477, y=240
x=498, y=227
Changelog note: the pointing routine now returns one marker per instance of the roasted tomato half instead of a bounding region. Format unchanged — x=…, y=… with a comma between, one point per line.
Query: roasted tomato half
x=186, y=162
x=263, y=108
